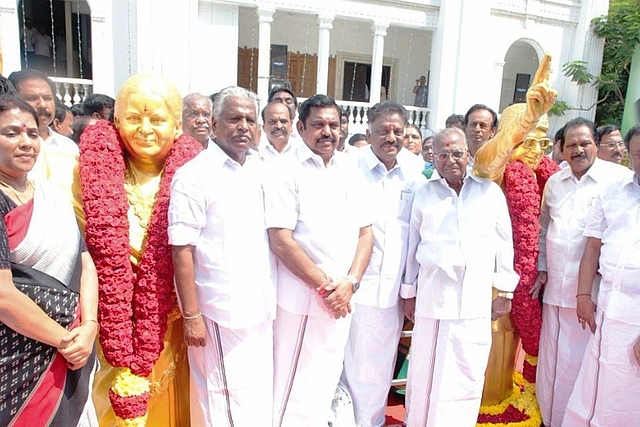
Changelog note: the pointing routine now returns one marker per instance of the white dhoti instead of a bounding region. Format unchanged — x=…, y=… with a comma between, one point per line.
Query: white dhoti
x=446, y=373
x=607, y=390
x=562, y=346
x=369, y=360
x=308, y=354
x=232, y=376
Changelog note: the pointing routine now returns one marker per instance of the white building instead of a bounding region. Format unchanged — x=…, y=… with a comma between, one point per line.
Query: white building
x=472, y=51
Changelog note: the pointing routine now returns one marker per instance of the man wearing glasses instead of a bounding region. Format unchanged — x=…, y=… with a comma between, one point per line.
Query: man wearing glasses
x=566, y=202
x=611, y=146
x=196, y=117
x=460, y=245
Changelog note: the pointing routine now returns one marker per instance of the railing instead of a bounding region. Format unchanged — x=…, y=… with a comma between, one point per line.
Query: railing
x=72, y=91
x=358, y=115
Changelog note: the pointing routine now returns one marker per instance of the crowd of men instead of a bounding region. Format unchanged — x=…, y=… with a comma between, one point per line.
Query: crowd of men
x=297, y=257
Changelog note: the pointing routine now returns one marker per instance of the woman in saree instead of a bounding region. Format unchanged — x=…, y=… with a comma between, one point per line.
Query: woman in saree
x=125, y=174
x=48, y=289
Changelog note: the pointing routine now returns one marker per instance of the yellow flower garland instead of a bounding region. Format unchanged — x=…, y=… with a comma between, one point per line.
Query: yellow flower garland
x=524, y=400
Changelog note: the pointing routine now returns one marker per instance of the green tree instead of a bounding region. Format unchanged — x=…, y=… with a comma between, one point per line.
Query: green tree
x=621, y=31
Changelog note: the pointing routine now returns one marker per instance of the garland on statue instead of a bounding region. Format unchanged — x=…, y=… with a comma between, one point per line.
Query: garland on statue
x=520, y=409
x=133, y=305
x=524, y=192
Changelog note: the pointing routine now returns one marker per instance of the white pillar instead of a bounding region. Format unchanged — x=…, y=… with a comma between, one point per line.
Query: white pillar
x=589, y=48
x=379, y=32
x=145, y=18
x=265, y=18
x=103, y=47
x=325, y=25
x=10, y=42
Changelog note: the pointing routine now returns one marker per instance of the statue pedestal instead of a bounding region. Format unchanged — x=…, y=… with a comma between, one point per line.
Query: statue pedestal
x=498, y=383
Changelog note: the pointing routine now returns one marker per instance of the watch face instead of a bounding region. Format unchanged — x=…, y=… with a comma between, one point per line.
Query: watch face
x=356, y=286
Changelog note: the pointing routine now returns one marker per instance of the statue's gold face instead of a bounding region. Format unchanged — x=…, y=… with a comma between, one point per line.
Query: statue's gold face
x=531, y=150
x=147, y=127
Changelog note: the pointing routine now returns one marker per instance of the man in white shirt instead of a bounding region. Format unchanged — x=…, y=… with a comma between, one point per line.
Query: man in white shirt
x=196, y=117
x=566, y=201
x=319, y=228
x=608, y=385
x=377, y=319
x=224, y=271
x=481, y=124
x=610, y=143
x=58, y=154
x=460, y=245
x=277, y=123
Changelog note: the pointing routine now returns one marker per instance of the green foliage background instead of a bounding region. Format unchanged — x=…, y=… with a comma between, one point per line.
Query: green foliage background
x=621, y=31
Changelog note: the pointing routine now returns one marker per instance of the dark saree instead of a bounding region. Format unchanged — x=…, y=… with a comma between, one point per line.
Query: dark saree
x=36, y=387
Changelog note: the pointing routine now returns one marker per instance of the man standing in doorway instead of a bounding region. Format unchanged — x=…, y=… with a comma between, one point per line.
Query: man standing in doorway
x=421, y=91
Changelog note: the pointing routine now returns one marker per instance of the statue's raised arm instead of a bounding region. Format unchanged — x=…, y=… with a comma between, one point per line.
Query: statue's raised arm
x=522, y=130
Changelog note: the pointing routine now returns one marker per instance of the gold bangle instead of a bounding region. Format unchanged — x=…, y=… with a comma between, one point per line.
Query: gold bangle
x=191, y=317
x=92, y=320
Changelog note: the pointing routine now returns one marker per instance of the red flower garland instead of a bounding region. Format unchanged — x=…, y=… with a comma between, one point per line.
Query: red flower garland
x=524, y=192
x=129, y=407
x=127, y=298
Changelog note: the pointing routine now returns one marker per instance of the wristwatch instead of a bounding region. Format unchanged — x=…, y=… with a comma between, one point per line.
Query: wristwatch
x=354, y=283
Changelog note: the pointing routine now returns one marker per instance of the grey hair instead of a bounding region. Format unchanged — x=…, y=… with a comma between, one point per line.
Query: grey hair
x=233, y=92
x=440, y=135
x=192, y=98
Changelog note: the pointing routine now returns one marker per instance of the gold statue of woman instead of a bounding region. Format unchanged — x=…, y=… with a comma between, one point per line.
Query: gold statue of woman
x=514, y=159
x=149, y=377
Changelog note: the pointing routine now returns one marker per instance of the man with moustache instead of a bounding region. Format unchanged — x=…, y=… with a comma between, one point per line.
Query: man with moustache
x=196, y=117
x=377, y=319
x=277, y=126
x=224, y=271
x=607, y=388
x=566, y=201
x=460, y=246
x=318, y=223
x=480, y=124
x=610, y=143
x=58, y=154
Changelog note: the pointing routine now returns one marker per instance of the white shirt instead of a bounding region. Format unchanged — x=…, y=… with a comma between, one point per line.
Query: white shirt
x=414, y=161
x=459, y=247
x=566, y=202
x=57, y=142
x=217, y=206
x=325, y=207
x=391, y=196
x=268, y=151
x=615, y=220
x=42, y=44
x=56, y=161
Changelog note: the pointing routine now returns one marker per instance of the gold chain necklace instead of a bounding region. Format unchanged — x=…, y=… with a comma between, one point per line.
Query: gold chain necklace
x=142, y=203
x=19, y=194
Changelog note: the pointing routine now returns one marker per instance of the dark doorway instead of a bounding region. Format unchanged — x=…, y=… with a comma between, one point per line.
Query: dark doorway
x=357, y=81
